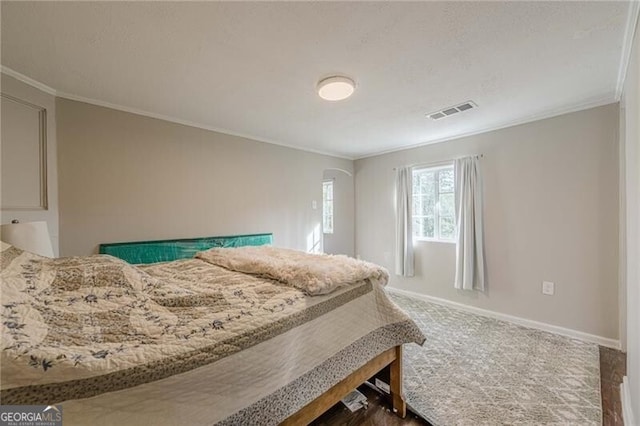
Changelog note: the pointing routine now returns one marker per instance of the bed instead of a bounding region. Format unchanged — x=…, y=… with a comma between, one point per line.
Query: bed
x=188, y=341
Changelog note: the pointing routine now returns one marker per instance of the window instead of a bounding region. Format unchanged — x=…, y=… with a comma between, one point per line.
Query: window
x=327, y=206
x=434, y=203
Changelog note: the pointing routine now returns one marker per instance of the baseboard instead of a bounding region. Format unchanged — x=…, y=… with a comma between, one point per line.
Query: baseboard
x=625, y=396
x=575, y=334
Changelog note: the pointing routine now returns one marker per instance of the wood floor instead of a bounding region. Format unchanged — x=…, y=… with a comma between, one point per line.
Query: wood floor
x=378, y=413
x=612, y=369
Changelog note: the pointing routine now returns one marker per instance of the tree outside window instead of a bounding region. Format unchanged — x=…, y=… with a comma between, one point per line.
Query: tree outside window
x=434, y=203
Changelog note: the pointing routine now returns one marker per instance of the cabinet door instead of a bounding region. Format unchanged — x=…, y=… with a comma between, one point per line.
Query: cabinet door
x=23, y=153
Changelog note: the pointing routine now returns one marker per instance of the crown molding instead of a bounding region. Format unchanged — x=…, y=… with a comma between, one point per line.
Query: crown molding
x=541, y=116
x=580, y=106
x=175, y=120
x=627, y=45
x=28, y=80
x=41, y=86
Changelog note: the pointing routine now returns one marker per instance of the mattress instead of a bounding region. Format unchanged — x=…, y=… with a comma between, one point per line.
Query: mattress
x=184, y=342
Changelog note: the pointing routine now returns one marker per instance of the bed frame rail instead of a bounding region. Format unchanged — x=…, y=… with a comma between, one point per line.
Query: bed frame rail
x=391, y=357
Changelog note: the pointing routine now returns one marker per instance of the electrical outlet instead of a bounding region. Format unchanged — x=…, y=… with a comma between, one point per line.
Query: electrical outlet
x=548, y=288
x=314, y=204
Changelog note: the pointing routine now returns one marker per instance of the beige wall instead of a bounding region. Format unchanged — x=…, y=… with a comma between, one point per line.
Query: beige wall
x=24, y=92
x=125, y=177
x=551, y=193
x=630, y=164
x=551, y=213
x=342, y=241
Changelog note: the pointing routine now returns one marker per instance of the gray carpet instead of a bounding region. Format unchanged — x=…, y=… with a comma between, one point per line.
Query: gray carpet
x=474, y=370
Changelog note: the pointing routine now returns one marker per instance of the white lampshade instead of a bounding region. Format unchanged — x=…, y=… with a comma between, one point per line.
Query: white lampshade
x=29, y=236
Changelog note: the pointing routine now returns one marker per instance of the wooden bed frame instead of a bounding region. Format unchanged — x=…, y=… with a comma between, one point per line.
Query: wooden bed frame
x=391, y=357
x=168, y=250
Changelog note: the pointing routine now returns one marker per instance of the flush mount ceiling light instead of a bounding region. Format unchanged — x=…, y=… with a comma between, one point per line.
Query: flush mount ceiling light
x=336, y=88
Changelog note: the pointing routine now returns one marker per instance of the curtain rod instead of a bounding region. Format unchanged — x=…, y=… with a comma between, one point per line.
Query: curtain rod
x=439, y=163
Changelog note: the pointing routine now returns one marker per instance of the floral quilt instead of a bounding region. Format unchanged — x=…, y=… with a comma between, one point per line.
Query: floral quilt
x=81, y=326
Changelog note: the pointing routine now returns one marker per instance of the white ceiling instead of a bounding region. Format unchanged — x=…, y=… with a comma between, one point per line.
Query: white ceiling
x=251, y=68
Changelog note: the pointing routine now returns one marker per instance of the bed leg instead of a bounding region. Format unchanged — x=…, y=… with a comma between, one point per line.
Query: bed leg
x=399, y=405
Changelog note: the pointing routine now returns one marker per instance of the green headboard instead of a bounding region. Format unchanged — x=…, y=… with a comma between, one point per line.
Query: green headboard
x=167, y=250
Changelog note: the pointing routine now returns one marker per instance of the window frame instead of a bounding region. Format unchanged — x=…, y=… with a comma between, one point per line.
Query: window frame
x=436, y=216
x=332, y=230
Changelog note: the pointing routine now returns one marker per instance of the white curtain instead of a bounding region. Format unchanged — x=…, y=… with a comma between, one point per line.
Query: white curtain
x=470, y=272
x=404, y=234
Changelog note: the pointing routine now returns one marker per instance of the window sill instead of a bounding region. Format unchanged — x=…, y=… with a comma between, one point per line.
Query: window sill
x=433, y=240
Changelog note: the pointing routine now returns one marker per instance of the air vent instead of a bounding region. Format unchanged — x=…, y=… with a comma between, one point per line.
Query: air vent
x=452, y=110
